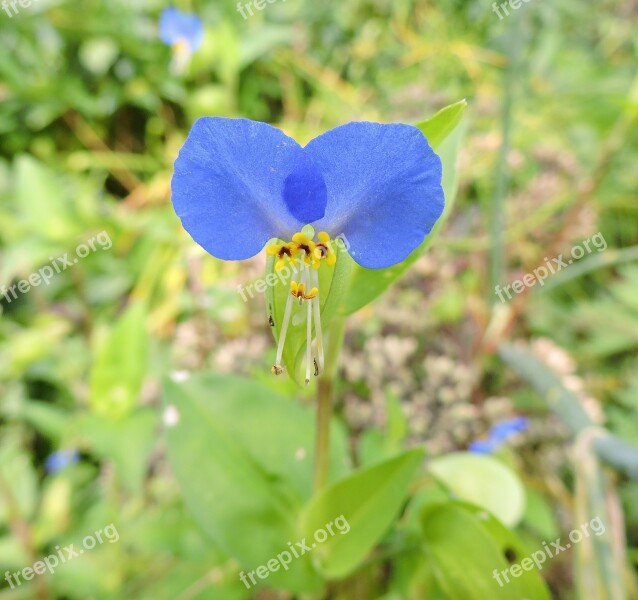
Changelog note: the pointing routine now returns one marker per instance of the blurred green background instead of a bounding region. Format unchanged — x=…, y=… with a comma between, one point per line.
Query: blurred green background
x=91, y=119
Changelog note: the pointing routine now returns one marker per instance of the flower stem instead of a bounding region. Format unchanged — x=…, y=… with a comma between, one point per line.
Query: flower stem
x=324, y=403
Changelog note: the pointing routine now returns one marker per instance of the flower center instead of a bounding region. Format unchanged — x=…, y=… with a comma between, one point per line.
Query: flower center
x=305, y=257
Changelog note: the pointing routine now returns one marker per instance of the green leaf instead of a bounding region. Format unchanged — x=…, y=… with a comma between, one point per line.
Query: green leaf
x=18, y=478
x=128, y=442
x=369, y=501
x=482, y=480
x=443, y=123
x=120, y=365
x=539, y=516
x=242, y=455
x=368, y=284
x=39, y=191
x=467, y=549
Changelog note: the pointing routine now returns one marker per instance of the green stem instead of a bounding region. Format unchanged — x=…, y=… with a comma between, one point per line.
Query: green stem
x=324, y=403
x=497, y=239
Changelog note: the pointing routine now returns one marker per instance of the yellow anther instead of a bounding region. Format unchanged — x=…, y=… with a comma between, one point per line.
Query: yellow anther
x=324, y=251
x=305, y=246
x=303, y=250
x=282, y=251
x=298, y=290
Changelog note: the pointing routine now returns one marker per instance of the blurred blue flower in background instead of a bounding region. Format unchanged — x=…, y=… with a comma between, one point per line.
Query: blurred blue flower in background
x=498, y=435
x=184, y=33
x=60, y=460
x=181, y=31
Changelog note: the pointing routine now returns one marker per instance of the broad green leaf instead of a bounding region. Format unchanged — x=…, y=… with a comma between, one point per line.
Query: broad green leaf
x=413, y=578
x=484, y=481
x=368, y=284
x=514, y=551
x=128, y=442
x=242, y=455
x=468, y=551
x=369, y=501
x=120, y=365
x=39, y=192
x=48, y=419
x=539, y=516
x=18, y=476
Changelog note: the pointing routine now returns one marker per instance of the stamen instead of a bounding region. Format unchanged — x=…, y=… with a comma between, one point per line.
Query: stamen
x=278, y=369
x=317, y=314
x=309, y=255
x=308, y=328
x=304, y=284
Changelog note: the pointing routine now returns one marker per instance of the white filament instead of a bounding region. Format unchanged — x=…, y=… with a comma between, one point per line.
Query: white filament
x=317, y=313
x=284, y=326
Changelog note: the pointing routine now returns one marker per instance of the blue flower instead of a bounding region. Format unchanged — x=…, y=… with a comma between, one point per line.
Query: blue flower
x=183, y=32
x=60, y=460
x=239, y=183
x=498, y=435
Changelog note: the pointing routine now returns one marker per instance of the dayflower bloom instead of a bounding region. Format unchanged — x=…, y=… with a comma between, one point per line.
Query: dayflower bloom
x=498, y=435
x=60, y=460
x=239, y=183
x=184, y=33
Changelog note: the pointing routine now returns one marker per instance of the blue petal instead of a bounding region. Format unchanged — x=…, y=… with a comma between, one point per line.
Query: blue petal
x=505, y=429
x=175, y=27
x=384, y=189
x=305, y=194
x=59, y=460
x=193, y=31
x=169, y=26
x=483, y=446
x=228, y=185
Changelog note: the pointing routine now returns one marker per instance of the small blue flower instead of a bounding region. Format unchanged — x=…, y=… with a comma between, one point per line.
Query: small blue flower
x=487, y=446
x=498, y=435
x=183, y=32
x=506, y=429
x=60, y=460
x=239, y=183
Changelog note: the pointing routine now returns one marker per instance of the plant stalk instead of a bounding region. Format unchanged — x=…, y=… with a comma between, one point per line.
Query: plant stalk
x=325, y=390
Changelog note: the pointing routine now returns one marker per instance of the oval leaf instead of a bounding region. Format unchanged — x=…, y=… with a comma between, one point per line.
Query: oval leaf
x=468, y=551
x=369, y=501
x=484, y=481
x=242, y=455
